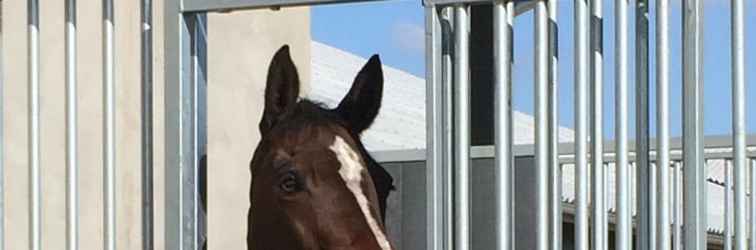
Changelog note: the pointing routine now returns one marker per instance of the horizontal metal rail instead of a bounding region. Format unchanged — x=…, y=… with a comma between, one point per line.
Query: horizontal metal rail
x=715, y=147
x=521, y=6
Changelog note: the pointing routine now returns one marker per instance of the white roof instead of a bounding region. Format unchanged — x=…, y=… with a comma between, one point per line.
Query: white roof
x=401, y=122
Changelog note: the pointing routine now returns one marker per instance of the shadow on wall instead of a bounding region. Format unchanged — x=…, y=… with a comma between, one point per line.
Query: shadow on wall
x=203, y=201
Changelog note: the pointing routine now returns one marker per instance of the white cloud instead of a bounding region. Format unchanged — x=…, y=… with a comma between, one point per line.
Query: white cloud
x=409, y=37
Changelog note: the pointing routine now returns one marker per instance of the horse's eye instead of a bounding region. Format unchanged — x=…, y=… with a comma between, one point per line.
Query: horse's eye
x=290, y=182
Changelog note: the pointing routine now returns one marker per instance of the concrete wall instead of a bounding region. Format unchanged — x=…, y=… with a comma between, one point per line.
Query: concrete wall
x=240, y=46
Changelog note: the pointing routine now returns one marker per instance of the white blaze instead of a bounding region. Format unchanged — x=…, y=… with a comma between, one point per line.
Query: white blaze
x=351, y=172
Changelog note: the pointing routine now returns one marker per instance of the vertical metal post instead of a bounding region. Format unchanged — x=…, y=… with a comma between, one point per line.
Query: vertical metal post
x=181, y=204
x=753, y=204
x=447, y=66
x=2, y=143
x=503, y=122
x=728, y=205
x=555, y=169
x=624, y=220
x=652, y=204
x=434, y=116
x=642, y=149
x=109, y=125
x=606, y=205
x=694, y=175
x=662, y=126
x=739, y=121
x=462, y=127
x=199, y=82
x=35, y=200
x=597, y=137
x=72, y=165
x=147, y=138
x=582, y=54
x=677, y=206
x=541, y=99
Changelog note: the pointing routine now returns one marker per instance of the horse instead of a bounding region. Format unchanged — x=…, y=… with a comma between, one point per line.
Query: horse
x=314, y=185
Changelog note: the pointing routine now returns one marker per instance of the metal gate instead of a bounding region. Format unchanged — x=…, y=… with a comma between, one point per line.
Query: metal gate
x=448, y=125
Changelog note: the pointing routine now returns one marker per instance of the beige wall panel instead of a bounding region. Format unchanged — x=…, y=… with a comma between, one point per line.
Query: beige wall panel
x=238, y=64
x=240, y=46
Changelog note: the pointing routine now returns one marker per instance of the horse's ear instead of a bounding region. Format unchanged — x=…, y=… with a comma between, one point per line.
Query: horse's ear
x=281, y=89
x=360, y=106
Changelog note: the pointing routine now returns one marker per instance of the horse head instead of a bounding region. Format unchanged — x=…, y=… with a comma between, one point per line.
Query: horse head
x=314, y=185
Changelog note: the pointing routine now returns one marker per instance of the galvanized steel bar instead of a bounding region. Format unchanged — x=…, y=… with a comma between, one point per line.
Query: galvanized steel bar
x=148, y=209
x=181, y=160
x=645, y=235
x=35, y=201
x=72, y=164
x=109, y=226
x=2, y=144
x=555, y=169
x=677, y=206
x=753, y=204
x=624, y=227
x=462, y=127
x=607, y=204
x=199, y=82
x=739, y=121
x=597, y=137
x=694, y=175
x=582, y=67
x=503, y=123
x=728, y=205
x=434, y=116
x=447, y=66
x=541, y=89
x=662, y=127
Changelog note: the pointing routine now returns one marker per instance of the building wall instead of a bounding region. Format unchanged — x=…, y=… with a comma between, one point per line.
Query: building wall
x=240, y=45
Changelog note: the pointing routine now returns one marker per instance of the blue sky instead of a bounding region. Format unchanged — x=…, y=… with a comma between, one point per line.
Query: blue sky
x=394, y=30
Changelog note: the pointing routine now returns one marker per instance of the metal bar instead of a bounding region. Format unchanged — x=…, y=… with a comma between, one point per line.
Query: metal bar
x=198, y=149
x=677, y=206
x=739, y=122
x=694, y=174
x=753, y=204
x=522, y=6
x=555, y=170
x=645, y=233
x=728, y=205
x=652, y=184
x=148, y=209
x=607, y=211
x=72, y=165
x=2, y=143
x=109, y=125
x=582, y=54
x=503, y=123
x=34, y=175
x=624, y=224
x=447, y=36
x=541, y=79
x=181, y=231
x=434, y=116
x=462, y=127
x=511, y=13
x=662, y=127
x=597, y=137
